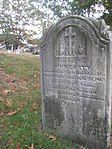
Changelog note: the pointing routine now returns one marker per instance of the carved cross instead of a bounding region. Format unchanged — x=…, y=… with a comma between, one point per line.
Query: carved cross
x=70, y=34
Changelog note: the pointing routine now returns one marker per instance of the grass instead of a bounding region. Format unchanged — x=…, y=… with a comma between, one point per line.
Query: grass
x=20, y=106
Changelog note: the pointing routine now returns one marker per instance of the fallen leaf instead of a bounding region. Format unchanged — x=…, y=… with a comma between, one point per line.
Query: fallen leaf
x=1, y=114
x=11, y=113
x=34, y=105
x=9, y=142
x=25, y=79
x=8, y=80
x=14, y=89
x=53, y=138
x=5, y=92
x=32, y=146
x=1, y=69
x=36, y=86
x=18, y=146
x=13, y=75
x=8, y=103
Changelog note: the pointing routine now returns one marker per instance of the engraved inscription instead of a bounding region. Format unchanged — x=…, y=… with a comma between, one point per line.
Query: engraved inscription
x=74, y=79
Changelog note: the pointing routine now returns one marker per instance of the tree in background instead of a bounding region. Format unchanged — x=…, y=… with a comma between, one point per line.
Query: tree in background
x=107, y=15
x=89, y=8
x=5, y=22
x=103, y=8
x=93, y=8
x=61, y=8
x=81, y=7
x=18, y=18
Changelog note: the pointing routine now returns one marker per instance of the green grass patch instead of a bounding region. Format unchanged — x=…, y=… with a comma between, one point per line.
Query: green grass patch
x=20, y=105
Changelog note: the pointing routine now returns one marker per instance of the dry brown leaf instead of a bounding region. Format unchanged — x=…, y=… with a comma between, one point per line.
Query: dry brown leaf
x=32, y=146
x=27, y=91
x=37, y=86
x=9, y=142
x=8, y=80
x=34, y=105
x=1, y=69
x=1, y=114
x=11, y=113
x=14, y=89
x=8, y=103
x=13, y=75
x=18, y=146
x=5, y=92
x=53, y=138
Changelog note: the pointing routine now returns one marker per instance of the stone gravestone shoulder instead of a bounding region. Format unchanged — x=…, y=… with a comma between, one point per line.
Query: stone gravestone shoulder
x=76, y=81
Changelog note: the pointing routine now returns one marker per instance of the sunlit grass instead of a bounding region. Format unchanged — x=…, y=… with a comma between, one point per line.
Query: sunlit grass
x=20, y=105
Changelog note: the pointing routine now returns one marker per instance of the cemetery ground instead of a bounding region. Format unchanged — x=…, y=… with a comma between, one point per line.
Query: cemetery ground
x=20, y=105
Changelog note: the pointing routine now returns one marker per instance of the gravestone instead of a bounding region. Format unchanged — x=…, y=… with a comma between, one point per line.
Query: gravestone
x=76, y=81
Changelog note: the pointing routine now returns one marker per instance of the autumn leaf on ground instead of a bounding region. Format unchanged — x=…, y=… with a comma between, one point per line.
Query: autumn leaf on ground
x=8, y=80
x=1, y=69
x=36, y=86
x=13, y=75
x=1, y=114
x=53, y=138
x=32, y=146
x=18, y=146
x=34, y=106
x=5, y=92
x=11, y=113
x=35, y=76
x=9, y=142
x=8, y=103
x=25, y=79
x=14, y=89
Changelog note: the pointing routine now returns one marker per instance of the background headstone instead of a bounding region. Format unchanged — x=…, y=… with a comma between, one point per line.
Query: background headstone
x=76, y=81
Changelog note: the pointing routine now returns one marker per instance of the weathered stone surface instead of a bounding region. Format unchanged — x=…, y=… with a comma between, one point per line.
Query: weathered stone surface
x=76, y=81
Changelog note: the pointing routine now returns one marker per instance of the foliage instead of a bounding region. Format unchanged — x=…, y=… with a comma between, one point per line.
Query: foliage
x=89, y=8
x=70, y=7
x=107, y=16
x=79, y=7
x=18, y=18
x=82, y=7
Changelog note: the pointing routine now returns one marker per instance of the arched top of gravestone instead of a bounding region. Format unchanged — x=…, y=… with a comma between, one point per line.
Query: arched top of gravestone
x=95, y=29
